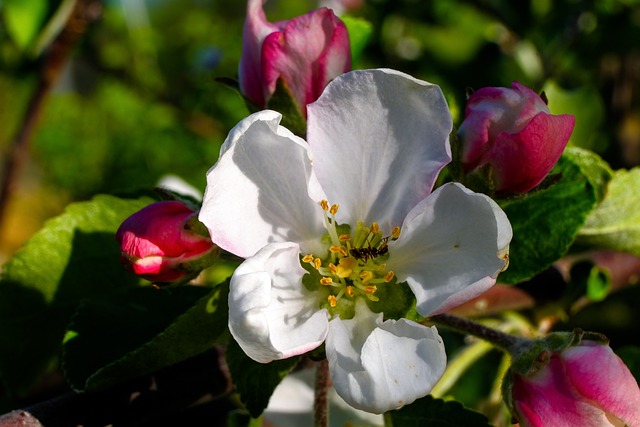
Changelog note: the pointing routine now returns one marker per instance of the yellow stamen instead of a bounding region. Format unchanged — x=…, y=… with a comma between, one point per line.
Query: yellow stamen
x=343, y=251
x=333, y=301
x=326, y=281
x=389, y=276
x=350, y=291
x=334, y=249
x=334, y=209
x=395, y=233
x=307, y=258
x=324, y=205
x=370, y=289
x=365, y=276
x=374, y=227
x=317, y=263
x=332, y=268
x=344, y=237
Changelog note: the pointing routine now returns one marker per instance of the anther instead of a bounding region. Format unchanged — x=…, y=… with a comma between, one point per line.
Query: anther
x=365, y=276
x=344, y=237
x=389, y=276
x=395, y=233
x=335, y=249
x=375, y=228
x=350, y=291
x=317, y=263
x=371, y=289
x=332, y=268
x=333, y=301
x=326, y=281
x=334, y=209
x=308, y=258
x=324, y=205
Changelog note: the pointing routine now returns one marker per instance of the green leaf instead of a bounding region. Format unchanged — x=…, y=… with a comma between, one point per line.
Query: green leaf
x=255, y=382
x=546, y=222
x=139, y=331
x=23, y=19
x=360, y=31
x=615, y=223
x=598, y=283
x=74, y=256
x=436, y=413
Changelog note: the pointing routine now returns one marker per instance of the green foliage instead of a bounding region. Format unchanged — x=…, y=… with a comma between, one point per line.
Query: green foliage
x=255, y=382
x=360, y=31
x=436, y=413
x=544, y=224
x=139, y=331
x=587, y=106
x=75, y=256
x=615, y=223
x=23, y=19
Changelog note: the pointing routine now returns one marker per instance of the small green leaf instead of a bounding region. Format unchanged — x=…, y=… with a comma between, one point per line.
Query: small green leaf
x=598, y=283
x=255, y=382
x=436, y=413
x=360, y=31
x=75, y=256
x=546, y=222
x=23, y=19
x=140, y=331
x=615, y=223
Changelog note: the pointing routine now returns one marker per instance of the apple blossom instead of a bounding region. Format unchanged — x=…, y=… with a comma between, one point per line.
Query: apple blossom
x=512, y=131
x=306, y=52
x=165, y=243
x=583, y=385
x=329, y=272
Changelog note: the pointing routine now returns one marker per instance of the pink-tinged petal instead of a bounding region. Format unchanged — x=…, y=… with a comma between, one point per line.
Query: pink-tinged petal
x=258, y=191
x=271, y=314
x=379, y=366
x=547, y=399
x=256, y=29
x=379, y=139
x=451, y=248
x=309, y=52
x=601, y=377
x=541, y=142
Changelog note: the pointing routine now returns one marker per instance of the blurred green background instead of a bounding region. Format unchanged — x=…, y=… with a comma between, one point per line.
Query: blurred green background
x=138, y=98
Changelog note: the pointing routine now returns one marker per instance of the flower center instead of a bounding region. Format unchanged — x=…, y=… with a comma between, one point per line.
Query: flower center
x=355, y=265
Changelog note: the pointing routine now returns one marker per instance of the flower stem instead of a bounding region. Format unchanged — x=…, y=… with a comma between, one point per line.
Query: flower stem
x=460, y=324
x=321, y=402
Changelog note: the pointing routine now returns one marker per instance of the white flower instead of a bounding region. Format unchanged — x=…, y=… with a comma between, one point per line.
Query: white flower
x=377, y=140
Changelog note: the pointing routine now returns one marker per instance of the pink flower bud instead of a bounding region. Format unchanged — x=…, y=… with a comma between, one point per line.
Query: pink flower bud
x=165, y=243
x=306, y=52
x=584, y=385
x=513, y=131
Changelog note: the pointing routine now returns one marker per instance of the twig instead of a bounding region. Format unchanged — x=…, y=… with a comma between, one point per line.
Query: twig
x=321, y=402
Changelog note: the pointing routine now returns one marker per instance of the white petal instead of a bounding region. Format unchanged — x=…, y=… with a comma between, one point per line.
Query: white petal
x=271, y=314
x=451, y=248
x=379, y=366
x=379, y=139
x=258, y=191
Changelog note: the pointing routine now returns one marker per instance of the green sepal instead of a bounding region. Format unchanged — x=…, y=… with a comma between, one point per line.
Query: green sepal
x=283, y=102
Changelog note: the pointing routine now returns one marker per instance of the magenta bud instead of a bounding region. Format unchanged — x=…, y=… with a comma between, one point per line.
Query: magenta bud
x=306, y=53
x=582, y=385
x=512, y=131
x=165, y=243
